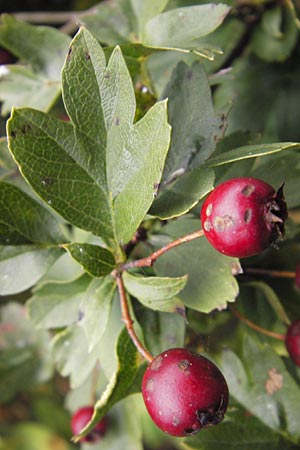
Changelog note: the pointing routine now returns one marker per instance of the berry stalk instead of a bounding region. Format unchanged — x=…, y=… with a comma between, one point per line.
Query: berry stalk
x=150, y=260
x=256, y=327
x=126, y=318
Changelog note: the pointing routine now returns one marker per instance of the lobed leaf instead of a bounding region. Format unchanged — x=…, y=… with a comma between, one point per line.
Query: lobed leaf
x=88, y=170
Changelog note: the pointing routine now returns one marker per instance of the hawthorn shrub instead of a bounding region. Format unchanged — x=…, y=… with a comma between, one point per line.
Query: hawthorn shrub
x=116, y=128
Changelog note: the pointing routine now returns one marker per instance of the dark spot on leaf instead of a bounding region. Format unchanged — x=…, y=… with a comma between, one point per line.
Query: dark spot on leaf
x=47, y=182
x=189, y=74
x=80, y=315
x=117, y=121
x=25, y=128
x=107, y=76
x=87, y=56
x=13, y=134
x=69, y=54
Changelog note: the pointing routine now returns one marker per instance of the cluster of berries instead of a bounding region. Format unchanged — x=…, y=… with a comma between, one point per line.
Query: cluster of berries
x=185, y=392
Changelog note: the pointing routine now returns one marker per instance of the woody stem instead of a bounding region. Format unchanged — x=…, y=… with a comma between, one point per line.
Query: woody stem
x=126, y=318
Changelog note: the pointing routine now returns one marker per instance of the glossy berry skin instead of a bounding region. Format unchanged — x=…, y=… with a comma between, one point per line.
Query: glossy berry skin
x=243, y=216
x=292, y=341
x=81, y=417
x=184, y=392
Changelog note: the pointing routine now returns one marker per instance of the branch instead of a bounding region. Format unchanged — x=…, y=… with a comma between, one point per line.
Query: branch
x=150, y=260
x=255, y=327
x=128, y=320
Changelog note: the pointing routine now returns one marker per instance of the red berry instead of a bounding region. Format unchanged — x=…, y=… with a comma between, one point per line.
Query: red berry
x=243, y=216
x=297, y=276
x=292, y=341
x=184, y=392
x=81, y=417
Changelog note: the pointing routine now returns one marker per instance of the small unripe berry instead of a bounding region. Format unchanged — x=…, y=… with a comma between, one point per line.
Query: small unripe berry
x=81, y=417
x=243, y=216
x=184, y=392
x=292, y=341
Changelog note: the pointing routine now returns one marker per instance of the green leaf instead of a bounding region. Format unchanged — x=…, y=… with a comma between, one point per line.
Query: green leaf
x=20, y=86
x=240, y=432
x=211, y=283
x=183, y=194
x=262, y=384
x=121, y=384
x=162, y=330
x=6, y=160
x=22, y=266
x=195, y=126
x=95, y=260
x=276, y=35
x=251, y=151
x=95, y=309
x=145, y=10
x=155, y=292
x=178, y=28
x=108, y=23
x=272, y=298
x=43, y=47
x=285, y=169
x=88, y=170
x=71, y=355
x=24, y=351
x=57, y=304
x=24, y=221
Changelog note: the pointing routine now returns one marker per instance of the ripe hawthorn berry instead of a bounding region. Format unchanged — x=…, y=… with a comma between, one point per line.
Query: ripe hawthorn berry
x=81, y=417
x=243, y=216
x=184, y=392
x=292, y=341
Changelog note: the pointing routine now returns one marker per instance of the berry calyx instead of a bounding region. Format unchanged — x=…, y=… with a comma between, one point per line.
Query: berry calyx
x=292, y=341
x=81, y=417
x=184, y=392
x=243, y=216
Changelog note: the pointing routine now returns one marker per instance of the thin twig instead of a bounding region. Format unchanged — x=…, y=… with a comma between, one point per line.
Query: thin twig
x=128, y=320
x=269, y=272
x=150, y=260
x=255, y=327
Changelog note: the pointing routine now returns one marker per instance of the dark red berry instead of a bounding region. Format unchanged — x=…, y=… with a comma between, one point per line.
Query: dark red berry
x=184, y=392
x=297, y=276
x=243, y=216
x=81, y=417
x=292, y=341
